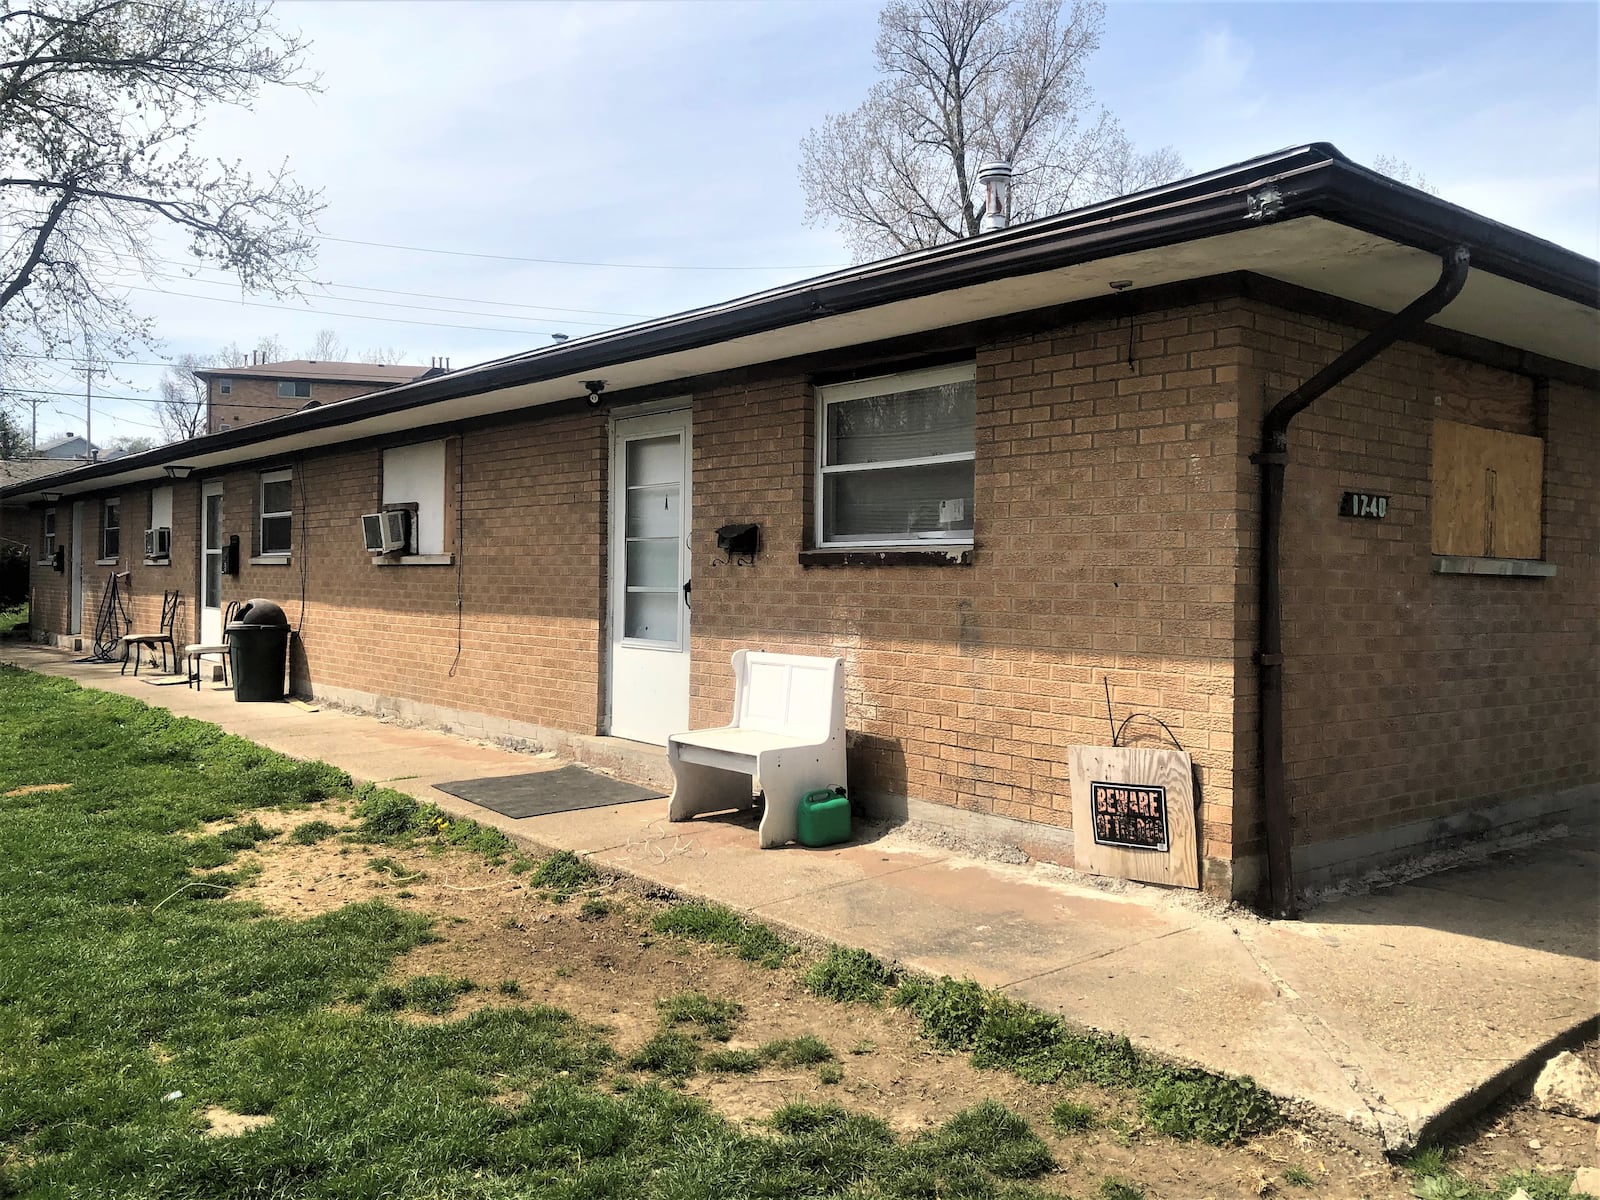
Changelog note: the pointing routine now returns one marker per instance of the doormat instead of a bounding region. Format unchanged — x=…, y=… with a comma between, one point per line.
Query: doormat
x=565, y=789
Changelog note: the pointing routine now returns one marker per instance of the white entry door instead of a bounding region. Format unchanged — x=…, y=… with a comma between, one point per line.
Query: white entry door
x=211, y=564
x=75, y=557
x=650, y=562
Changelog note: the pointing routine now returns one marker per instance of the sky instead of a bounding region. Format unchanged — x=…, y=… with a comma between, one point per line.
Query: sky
x=653, y=148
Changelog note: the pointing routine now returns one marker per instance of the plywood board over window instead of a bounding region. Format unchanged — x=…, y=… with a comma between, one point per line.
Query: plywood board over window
x=1488, y=490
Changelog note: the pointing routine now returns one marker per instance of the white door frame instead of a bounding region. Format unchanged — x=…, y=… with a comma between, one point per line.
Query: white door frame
x=647, y=681
x=75, y=566
x=210, y=615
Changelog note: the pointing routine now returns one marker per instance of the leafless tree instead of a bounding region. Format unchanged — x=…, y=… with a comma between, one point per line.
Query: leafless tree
x=963, y=82
x=327, y=347
x=182, y=407
x=99, y=100
x=1401, y=171
x=383, y=356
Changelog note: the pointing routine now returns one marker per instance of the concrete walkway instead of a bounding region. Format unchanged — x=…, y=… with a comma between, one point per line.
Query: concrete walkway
x=1397, y=1011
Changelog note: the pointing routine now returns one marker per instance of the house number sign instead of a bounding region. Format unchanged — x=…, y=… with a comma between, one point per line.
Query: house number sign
x=1364, y=505
x=1133, y=815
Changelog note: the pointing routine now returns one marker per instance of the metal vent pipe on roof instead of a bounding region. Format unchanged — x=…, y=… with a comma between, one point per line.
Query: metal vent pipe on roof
x=996, y=180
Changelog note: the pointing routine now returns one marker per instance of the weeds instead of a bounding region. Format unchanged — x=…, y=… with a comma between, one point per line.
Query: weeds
x=390, y=816
x=309, y=833
x=848, y=975
x=959, y=1014
x=669, y=1053
x=719, y=926
x=802, y=1051
x=1114, y=1188
x=714, y=1017
x=733, y=1062
x=435, y=995
x=1297, y=1176
x=564, y=873
x=1071, y=1117
x=594, y=909
x=830, y=1073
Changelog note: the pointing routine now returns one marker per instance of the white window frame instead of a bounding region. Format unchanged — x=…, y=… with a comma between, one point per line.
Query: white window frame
x=284, y=475
x=882, y=385
x=111, y=504
x=225, y=387
x=294, y=386
x=47, y=531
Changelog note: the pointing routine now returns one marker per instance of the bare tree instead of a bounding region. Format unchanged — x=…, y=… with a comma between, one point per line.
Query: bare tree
x=182, y=407
x=383, y=356
x=99, y=100
x=1401, y=171
x=963, y=82
x=327, y=347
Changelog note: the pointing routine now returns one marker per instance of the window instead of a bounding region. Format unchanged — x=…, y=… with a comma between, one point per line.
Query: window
x=294, y=389
x=111, y=528
x=225, y=387
x=413, y=478
x=895, y=459
x=1487, y=492
x=277, y=511
x=160, y=518
x=49, y=533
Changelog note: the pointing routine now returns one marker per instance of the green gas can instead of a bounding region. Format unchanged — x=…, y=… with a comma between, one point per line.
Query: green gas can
x=824, y=817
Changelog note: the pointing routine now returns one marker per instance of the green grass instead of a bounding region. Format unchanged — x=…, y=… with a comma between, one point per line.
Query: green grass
x=1297, y=1176
x=848, y=975
x=714, y=1017
x=803, y=1051
x=1432, y=1178
x=12, y=619
x=719, y=926
x=1115, y=1188
x=1069, y=1116
x=309, y=833
x=1001, y=1033
x=564, y=872
x=385, y=815
x=122, y=984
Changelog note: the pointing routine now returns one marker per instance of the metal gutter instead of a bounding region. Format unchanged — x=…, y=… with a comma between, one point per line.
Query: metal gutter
x=1273, y=458
x=1309, y=180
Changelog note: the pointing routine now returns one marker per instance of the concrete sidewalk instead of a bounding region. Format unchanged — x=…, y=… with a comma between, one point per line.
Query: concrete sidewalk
x=1396, y=1011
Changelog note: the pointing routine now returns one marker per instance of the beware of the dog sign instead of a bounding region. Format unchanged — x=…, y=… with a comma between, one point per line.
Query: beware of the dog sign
x=1133, y=814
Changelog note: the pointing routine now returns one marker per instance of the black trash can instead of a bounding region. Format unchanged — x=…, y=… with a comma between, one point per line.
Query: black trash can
x=258, y=647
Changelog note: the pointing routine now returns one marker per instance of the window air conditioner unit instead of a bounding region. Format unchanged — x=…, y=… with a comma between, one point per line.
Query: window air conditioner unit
x=387, y=531
x=158, y=542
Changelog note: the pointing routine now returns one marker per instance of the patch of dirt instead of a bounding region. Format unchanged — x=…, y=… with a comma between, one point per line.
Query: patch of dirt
x=1515, y=1134
x=611, y=970
x=225, y=1123
x=35, y=788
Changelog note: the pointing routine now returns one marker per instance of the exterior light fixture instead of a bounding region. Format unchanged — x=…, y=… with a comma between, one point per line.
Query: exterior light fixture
x=595, y=387
x=178, y=470
x=51, y=497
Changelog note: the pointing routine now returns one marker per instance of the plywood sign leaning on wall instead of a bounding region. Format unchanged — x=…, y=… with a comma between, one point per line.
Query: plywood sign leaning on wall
x=1133, y=814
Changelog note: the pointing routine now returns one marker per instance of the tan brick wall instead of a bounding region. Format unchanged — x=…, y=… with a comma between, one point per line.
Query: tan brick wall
x=257, y=399
x=1412, y=696
x=1107, y=546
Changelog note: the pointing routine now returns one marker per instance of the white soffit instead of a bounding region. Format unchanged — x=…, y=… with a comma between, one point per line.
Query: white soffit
x=1310, y=252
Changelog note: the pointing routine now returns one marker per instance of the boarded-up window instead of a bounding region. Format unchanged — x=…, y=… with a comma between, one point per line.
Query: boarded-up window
x=1487, y=492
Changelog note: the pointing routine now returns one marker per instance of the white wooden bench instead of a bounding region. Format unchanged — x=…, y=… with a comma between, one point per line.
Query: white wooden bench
x=786, y=739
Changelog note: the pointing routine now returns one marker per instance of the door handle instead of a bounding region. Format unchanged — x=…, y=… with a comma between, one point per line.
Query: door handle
x=686, y=585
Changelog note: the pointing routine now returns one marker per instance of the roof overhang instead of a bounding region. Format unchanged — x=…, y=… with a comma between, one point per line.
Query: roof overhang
x=1307, y=217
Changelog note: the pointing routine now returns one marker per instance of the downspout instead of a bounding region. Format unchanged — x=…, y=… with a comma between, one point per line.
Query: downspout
x=1273, y=457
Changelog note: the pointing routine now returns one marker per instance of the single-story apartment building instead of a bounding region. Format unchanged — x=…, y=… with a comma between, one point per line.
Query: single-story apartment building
x=1293, y=457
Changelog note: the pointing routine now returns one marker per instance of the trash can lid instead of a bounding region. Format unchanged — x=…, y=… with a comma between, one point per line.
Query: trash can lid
x=254, y=613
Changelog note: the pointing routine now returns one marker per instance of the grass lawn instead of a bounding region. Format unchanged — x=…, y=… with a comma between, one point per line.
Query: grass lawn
x=135, y=994
x=12, y=618
x=169, y=1028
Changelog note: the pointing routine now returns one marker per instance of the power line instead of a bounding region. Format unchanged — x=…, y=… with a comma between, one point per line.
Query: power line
x=573, y=262
x=395, y=304
x=325, y=313
x=131, y=399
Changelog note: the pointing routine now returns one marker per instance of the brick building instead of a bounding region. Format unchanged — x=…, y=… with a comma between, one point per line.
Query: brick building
x=254, y=391
x=996, y=477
